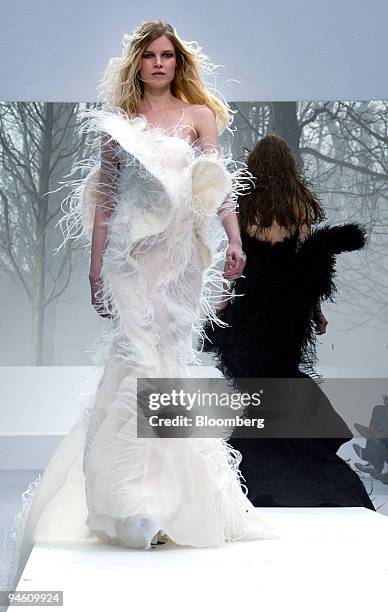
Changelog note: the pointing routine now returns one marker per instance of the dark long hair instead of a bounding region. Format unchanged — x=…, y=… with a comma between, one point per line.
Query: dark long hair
x=281, y=192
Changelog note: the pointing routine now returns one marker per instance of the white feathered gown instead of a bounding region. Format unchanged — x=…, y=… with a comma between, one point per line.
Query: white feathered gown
x=158, y=272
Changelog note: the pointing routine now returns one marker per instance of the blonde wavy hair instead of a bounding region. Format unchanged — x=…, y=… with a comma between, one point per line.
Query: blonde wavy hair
x=121, y=86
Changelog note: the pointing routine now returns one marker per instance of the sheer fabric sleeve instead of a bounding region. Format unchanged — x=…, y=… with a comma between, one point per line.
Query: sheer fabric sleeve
x=106, y=200
x=228, y=206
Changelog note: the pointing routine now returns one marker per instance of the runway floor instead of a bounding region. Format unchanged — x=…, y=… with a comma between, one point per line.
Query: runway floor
x=315, y=564
x=329, y=559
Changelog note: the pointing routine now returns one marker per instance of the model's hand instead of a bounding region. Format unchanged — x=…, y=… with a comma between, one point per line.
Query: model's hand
x=320, y=322
x=235, y=261
x=96, y=294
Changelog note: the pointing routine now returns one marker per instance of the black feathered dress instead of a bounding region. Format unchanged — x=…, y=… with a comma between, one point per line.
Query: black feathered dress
x=271, y=334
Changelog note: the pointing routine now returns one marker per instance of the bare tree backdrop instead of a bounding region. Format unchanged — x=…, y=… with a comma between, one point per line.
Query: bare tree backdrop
x=342, y=147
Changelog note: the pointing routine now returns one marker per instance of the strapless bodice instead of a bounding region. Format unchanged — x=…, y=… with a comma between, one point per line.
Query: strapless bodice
x=163, y=180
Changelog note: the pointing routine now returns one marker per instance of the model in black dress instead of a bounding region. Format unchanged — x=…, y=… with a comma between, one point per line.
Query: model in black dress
x=273, y=320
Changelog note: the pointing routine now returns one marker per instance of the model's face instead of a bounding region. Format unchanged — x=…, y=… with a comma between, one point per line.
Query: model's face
x=158, y=57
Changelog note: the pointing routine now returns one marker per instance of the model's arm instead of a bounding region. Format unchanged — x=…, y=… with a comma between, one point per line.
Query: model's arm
x=206, y=127
x=104, y=208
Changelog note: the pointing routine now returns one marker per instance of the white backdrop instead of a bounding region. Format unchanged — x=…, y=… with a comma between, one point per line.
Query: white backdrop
x=278, y=50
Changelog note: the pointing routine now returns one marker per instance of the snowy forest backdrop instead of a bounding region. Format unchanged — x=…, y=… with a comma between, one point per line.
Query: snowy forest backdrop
x=46, y=316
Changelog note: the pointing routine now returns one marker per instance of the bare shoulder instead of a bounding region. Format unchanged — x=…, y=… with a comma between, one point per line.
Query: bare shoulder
x=204, y=123
x=201, y=113
x=201, y=109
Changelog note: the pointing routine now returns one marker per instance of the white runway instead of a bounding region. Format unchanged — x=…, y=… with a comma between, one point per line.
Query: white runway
x=325, y=559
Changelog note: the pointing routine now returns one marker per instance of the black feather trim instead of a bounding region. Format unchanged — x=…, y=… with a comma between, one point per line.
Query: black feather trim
x=271, y=329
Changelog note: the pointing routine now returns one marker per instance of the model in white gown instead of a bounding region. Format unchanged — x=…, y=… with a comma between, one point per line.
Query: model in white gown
x=158, y=272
